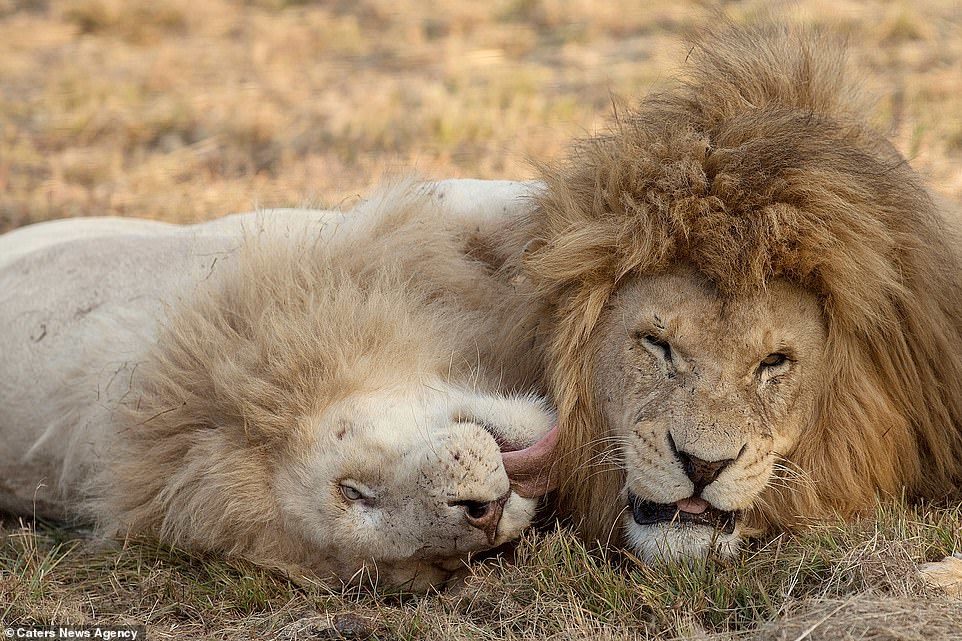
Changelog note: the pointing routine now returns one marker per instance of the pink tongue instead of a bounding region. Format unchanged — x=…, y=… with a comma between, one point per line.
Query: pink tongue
x=529, y=470
x=692, y=505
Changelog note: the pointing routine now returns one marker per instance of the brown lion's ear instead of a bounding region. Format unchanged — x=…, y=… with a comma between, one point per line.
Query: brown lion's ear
x=531, y=247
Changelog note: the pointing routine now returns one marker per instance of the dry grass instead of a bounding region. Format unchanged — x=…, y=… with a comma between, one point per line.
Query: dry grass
x=186, y=110
x=853, y=581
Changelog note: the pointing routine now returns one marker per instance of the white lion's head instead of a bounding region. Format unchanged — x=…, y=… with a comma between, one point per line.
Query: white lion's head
x=404, y=485
x=312, y=408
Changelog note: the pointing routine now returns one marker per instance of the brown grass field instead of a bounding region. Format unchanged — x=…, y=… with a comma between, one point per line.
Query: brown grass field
x=185, y=111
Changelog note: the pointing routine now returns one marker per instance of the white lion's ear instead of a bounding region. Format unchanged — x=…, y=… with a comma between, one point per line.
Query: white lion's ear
x=531, y=247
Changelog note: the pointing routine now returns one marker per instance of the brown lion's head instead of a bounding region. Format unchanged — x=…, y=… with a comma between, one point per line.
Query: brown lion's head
x=756, y=306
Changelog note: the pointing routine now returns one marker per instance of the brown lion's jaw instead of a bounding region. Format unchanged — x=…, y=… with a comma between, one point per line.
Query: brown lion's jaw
x=651, y=513
x=662, y=531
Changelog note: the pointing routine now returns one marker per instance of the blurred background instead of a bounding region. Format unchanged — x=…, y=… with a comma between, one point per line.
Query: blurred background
x=190, y=109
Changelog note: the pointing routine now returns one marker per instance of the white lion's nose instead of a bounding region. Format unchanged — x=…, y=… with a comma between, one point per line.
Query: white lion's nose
x=484, y=515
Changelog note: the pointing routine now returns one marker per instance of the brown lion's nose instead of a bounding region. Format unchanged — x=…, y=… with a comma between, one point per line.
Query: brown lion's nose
x=701, y=472
x=485, y=515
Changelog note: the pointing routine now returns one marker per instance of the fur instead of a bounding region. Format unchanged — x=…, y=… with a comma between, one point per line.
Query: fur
x=757, y=166
x=248, y=375
x=284, y=363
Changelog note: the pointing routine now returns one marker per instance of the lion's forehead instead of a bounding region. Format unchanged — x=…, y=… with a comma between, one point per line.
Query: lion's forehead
x=708, y=386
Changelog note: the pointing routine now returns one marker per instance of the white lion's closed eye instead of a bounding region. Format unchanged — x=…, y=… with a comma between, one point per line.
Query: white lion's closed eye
x=355, y=491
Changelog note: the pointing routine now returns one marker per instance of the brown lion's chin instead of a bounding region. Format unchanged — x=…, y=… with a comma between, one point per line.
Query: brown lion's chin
x=651, y=513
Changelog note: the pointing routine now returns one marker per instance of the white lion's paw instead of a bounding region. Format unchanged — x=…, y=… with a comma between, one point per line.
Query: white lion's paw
x=945, y=574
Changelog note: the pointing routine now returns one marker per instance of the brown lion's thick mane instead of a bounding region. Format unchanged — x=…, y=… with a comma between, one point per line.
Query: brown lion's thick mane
x=754, y=167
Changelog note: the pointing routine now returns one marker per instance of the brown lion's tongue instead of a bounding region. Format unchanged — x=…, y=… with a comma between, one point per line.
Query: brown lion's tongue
x=529, y=470
x=692, y=505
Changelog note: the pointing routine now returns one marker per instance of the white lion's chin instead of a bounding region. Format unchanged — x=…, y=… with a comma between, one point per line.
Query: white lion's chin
x=518, y=514
x=673, y=541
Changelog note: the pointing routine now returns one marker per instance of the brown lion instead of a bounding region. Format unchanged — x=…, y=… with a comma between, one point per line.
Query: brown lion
x=755, y=306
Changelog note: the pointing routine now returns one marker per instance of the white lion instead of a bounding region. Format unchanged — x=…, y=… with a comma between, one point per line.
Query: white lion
x=280, y=386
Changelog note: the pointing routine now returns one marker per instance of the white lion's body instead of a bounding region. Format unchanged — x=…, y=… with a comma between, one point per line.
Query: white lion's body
x=87, y=295
x=85, y=302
